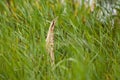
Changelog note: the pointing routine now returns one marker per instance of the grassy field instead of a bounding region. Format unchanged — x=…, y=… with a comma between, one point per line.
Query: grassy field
x=87, y=44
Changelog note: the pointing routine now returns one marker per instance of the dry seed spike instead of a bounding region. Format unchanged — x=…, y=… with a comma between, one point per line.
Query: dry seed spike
x=50, y=41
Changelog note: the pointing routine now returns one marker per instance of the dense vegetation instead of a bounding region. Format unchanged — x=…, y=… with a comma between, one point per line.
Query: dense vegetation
x=87, y=44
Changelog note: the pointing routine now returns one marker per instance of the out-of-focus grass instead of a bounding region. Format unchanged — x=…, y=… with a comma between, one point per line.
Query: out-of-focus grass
x=85, y=47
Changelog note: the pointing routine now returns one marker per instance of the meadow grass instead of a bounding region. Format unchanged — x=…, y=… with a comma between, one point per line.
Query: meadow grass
x=86, y=48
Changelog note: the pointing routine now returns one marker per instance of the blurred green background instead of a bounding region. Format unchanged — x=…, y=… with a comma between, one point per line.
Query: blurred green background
x=87, y=43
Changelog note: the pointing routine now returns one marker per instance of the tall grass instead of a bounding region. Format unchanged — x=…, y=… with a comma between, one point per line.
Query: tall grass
x=86, y=48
